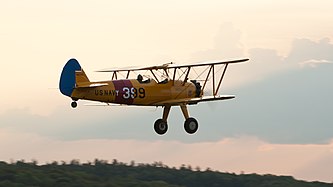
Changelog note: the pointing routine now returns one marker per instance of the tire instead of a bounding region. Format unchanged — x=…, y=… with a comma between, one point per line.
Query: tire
x=191, y=125
x=74, y=104
x=160, y=126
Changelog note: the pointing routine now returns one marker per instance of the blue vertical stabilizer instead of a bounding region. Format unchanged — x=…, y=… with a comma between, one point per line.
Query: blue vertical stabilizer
x=67, y=79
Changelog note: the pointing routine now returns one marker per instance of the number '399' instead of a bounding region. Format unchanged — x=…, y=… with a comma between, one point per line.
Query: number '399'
x=133, y=93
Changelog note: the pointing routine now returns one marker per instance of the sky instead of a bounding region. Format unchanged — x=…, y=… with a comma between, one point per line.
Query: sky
x=279, y=123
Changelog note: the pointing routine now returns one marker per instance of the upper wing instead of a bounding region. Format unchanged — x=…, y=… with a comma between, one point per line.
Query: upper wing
x=192, y=101
x=173, y=66
x=208, y=63
x=164, y=66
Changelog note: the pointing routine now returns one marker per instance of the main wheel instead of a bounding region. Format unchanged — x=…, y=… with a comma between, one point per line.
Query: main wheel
x=74, y=104
x=160, y=126
x=191, y=125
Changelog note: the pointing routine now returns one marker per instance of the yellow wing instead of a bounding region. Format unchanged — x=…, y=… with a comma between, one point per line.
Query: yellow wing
x=173, y=66
x=193, y=101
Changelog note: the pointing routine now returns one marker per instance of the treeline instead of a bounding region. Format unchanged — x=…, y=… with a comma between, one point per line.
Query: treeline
x=118, y=174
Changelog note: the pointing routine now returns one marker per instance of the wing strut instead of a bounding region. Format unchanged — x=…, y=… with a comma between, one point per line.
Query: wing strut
x=186, y=76
x=154, y=75
x=114, y=76
x=174, y=76
x=203, y=87
x=213, y=80
x=211, y=73
x=218, y=86
x=128, y=72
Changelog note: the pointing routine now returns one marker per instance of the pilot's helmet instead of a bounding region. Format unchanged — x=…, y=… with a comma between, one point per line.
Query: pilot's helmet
x=140, y=77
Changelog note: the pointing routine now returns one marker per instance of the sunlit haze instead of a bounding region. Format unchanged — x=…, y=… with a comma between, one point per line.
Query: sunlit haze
x=279, y=123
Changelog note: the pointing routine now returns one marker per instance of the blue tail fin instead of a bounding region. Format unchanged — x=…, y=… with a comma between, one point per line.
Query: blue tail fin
x=67, y=79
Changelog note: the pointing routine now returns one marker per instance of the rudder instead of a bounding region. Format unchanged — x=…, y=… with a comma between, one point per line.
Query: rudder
x=68, y=78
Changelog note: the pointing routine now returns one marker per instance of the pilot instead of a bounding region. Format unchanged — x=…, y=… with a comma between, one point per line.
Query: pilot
x=140, y=78
x=164, y=81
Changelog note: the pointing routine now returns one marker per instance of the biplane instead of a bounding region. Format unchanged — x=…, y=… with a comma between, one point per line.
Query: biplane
x=164, y=86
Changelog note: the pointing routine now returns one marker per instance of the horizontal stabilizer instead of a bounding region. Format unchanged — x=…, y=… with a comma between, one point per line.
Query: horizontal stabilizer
x=91, y=85
x=101, y=104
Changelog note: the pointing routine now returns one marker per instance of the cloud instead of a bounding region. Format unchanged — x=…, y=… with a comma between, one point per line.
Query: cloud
x=85, y=123
x=314, y=63
x=276, y=100
x=279, y=105
x=286, y=104
x=264, y=62
x=227, y=44
x=247, y=154
x=304, y=52
x=305, y=49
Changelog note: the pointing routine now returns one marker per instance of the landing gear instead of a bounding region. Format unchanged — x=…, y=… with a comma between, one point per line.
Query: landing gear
x=191, y=125
x=74, y=104
x=160, y=126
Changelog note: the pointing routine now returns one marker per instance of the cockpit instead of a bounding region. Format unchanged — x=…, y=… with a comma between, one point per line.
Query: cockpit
x=140, y=79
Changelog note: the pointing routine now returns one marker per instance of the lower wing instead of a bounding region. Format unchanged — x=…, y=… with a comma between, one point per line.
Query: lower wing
x=193, y=101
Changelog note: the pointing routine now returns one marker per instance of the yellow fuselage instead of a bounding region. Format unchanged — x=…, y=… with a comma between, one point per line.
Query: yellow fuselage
x=133, y=92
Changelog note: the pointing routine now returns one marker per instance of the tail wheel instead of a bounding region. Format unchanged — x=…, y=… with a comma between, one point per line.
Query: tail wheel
x=191, y=125
x=160, y=126
x=74, y=104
